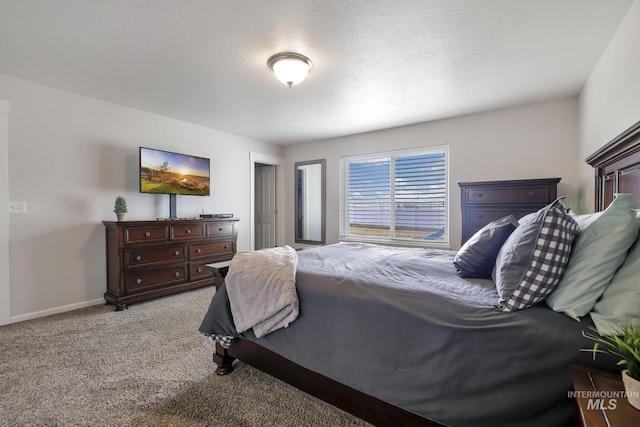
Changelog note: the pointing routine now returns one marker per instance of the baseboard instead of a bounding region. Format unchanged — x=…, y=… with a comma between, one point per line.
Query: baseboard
x=55, y=310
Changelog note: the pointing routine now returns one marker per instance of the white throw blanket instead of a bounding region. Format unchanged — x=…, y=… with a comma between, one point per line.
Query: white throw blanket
x=262, y=289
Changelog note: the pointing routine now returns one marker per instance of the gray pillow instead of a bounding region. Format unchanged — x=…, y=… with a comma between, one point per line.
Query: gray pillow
x=477, y=256
x=533, y=259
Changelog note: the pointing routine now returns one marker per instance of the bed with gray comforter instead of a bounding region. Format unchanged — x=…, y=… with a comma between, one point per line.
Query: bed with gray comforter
x=400, y=324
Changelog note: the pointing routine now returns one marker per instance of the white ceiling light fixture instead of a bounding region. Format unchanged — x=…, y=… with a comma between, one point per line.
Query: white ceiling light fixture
x=289, y=67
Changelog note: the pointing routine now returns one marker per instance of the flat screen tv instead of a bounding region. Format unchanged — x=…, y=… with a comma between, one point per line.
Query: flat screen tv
x=165, y=172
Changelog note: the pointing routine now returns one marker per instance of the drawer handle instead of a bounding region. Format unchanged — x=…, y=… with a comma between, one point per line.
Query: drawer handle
x=138, y=281
x=188, y=231
x=199, y=270
x=177, y=274
x=198, y=250
x=176, y=253
x=479, y=194
x=531, y=193
x=138, y=258
x=480, y=216
x=225, y=246
x=147, y=234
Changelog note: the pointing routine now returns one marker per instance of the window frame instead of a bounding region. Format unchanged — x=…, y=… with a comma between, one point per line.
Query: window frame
x=345, y=162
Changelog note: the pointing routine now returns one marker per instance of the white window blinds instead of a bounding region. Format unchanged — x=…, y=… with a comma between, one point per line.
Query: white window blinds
x=396, y=196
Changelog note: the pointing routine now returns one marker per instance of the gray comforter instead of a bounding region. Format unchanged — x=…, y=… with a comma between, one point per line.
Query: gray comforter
x=399, y=324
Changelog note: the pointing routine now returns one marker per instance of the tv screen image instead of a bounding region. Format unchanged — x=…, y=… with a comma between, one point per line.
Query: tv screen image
x=165, y=172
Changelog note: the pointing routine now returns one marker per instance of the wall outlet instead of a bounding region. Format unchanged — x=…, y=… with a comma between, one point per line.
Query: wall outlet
x=18, y=207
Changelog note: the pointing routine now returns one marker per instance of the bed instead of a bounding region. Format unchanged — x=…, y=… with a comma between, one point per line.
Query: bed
x=396, y=336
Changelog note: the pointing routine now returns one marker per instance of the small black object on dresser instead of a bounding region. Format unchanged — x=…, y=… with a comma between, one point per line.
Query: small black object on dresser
x=486, y=201
x=148, y=259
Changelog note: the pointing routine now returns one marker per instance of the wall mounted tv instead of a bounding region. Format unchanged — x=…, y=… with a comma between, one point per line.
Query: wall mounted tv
x=165, y=172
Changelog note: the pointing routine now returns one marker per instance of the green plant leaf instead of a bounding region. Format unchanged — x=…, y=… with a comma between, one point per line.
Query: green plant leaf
x=624, y=345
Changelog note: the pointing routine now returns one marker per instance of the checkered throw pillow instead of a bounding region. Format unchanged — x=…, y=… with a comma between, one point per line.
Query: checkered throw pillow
x=532, y=261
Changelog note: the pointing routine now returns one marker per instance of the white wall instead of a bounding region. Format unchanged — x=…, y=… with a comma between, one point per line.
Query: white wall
x=533, y=141
x=69, y=157
x=610, y=101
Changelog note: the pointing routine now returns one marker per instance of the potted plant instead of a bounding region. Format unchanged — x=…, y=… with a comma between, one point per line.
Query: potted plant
x=576, y=206
x=625, y=346
x=120, y=207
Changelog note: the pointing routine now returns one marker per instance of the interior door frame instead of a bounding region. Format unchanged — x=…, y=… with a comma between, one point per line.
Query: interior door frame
x=267, y=160
x=5, y=277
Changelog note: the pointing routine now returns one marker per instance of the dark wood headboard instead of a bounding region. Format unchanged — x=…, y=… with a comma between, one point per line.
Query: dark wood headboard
x=617, y=168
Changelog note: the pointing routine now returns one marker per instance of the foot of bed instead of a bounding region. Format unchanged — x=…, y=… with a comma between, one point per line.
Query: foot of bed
x=223, y=360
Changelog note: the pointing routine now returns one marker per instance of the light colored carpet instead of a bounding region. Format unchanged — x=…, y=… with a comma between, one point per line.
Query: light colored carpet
x=146, y=366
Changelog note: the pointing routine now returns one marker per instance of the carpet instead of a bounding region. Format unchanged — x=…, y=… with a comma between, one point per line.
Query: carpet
x=145, y=366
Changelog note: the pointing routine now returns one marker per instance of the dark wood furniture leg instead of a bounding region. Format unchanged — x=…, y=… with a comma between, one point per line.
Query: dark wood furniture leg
x=224, y=361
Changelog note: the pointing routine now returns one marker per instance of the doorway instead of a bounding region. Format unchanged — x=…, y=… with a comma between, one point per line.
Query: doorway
x=264, y=226
x=265, y=206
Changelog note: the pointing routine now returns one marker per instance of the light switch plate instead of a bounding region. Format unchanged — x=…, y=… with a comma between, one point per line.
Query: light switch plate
x=18, y=207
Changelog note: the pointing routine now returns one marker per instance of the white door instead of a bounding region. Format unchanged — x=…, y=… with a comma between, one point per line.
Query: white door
x=265, y=206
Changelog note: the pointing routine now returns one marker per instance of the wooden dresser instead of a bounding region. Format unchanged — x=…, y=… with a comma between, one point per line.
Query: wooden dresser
x=148, y=259
x=483, y=202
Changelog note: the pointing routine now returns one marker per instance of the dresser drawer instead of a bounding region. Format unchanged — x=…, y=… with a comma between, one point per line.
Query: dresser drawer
x=199, y=271
x=137, y=282
x=150, y=234
x=160, y=255
x=207, y=250
x=187, y=232
x=221, y=230
x=528, y=195
x=481, y=217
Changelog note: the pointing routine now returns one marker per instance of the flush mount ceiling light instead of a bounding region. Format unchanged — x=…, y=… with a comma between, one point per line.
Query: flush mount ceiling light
x=289, y=67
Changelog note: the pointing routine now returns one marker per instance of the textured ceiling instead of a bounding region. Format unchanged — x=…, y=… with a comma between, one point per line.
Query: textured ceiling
x=377, y=64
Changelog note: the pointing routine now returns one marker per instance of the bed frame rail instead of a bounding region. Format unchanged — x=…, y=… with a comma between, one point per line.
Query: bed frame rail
x=355, y=402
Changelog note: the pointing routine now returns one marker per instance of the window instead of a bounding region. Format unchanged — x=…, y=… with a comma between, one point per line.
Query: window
x=398, y=196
